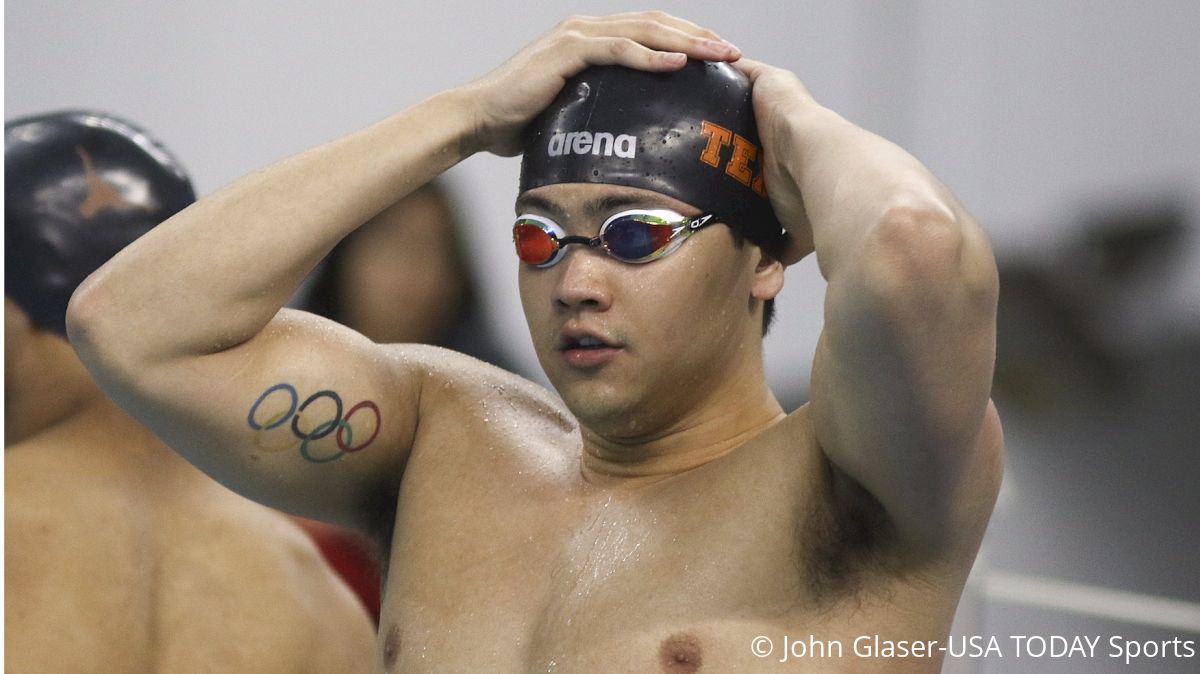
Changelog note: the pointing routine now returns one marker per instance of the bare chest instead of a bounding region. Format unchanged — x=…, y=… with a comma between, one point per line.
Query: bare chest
x=538, y=576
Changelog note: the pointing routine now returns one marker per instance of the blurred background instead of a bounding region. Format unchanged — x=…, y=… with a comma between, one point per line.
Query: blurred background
x=1070, y=129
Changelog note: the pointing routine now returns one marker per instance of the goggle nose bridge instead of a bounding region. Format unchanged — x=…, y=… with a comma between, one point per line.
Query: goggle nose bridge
x=590, y=242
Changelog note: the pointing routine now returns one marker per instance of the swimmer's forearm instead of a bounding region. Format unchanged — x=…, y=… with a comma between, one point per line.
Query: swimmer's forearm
x=856, y=184
x=215, y=274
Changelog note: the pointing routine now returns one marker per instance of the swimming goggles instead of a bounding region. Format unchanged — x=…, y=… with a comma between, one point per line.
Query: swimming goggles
x=635, y=236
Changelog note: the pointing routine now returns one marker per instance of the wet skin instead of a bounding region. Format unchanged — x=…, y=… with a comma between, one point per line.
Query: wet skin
x=664, y=515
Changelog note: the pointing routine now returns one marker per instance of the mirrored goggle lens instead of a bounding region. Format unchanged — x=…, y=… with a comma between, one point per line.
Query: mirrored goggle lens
x=635, y=237
x=534, y=244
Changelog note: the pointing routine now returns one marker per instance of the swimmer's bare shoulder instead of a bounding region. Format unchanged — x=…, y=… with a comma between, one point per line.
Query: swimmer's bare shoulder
x=245, y=590
x=188, y=576
x=472, y=411
x=69, y=538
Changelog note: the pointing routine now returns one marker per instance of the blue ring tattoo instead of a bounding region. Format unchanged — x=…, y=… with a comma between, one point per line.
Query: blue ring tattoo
x=282, y=419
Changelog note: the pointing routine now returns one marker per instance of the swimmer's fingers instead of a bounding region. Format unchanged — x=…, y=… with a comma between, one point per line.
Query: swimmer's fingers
x=777, y=93
x=772, y=78
x=506, y=99
x=751, y=68
x=666, y=20
x=628, y=52
x=645, y=42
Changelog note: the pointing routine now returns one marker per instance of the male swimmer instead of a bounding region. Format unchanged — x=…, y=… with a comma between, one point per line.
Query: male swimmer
x=119, y=555
x=665, y=511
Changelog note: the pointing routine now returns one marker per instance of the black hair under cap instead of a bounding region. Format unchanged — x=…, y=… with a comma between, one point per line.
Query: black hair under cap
x=79, y=186
x=689, y=134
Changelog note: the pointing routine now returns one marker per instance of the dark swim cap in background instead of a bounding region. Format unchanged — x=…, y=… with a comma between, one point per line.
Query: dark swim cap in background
x=689, y=134
x=78, y=186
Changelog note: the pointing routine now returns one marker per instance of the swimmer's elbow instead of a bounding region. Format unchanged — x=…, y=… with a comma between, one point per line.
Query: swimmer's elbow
x=945, y=254
x=97, y=331
x=920, y=265
x=911, y=248
x=84, y=313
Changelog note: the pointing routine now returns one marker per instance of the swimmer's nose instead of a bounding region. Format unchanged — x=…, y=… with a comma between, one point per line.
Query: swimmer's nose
x=583, y=280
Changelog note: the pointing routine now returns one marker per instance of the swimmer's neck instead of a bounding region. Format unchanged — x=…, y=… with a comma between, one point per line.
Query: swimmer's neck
x=45, y=384
x=701, y=438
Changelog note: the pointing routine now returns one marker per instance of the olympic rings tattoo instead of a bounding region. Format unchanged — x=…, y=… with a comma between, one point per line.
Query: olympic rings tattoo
x=324, y=429
x=339, y=425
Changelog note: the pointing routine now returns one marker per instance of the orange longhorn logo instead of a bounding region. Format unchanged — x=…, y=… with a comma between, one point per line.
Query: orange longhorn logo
x=101, y=193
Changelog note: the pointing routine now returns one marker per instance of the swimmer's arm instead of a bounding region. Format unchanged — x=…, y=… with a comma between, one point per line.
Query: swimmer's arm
x=181, y=327
x=903, y=367
x=184, y=328
x=307, y=416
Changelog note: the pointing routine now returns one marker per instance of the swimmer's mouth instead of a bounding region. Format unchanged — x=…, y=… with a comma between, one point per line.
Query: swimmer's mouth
x=584, y=342
x=582, y=339
x=586, y=351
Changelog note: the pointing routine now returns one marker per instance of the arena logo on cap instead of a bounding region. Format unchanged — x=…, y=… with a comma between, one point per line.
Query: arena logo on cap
x=600, y=143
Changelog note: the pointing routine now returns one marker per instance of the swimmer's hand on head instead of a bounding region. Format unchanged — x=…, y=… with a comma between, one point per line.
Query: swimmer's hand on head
x=510, y=96
x=776, y=93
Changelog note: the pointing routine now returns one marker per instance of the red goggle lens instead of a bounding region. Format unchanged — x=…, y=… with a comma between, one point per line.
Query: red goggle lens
x=534, y=244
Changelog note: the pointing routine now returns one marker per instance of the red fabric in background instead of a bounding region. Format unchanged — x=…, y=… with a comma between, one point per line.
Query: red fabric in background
x=353, y=556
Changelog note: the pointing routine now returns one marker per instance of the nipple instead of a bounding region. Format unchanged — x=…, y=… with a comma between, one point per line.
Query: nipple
x=680, y=654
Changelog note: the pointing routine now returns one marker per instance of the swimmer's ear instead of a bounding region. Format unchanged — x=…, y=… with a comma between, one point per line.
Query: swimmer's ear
x=768, y=277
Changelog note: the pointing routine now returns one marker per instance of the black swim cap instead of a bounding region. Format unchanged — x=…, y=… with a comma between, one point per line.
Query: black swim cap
x=688, y=134
x=78, y=186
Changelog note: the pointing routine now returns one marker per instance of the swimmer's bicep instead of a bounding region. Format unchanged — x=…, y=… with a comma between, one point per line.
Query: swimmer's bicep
x=308, y=417
x=900, y=394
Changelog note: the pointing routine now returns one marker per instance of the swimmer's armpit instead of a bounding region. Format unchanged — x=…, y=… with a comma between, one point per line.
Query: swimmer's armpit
x=320, y=426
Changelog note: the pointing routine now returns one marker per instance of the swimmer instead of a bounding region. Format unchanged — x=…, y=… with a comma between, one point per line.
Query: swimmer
x=662, y=511
x=119, y=555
